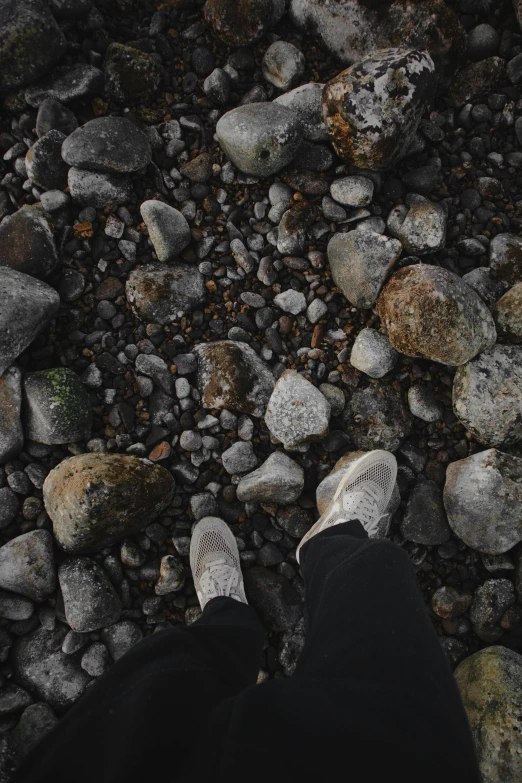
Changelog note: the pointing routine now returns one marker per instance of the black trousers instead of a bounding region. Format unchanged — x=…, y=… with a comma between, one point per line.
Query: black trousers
x=372, y=699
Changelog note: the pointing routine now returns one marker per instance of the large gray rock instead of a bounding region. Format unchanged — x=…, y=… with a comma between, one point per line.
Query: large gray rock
x=27, y=243
x=493, y=525
x=297, y=413
x=44, y=163
x=90, y=600
x=370, y=122
x=113, y=145
x=27, y=565
x=131, y=75
x=26, y=307
x=96, y=499
x=429, y=312
x=66, y=84
x=425, y=520
x=95, y=189
x=377, y=418
x=57, y=408
x=352, y=29
x=11, y=432
x=490, y=684
x=42, y=668
x=360, y=262
x=232, y=376
x=487, y=395
x=162, y=294
x=260, y=138
x=31, y=42
x=306, y=101
x=278, y=480
x=168, y=229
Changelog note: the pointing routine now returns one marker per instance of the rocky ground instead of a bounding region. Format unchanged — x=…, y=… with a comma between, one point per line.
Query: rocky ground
x=220, y=281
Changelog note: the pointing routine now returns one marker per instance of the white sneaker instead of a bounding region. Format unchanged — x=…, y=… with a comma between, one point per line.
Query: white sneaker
x=363, y=494
x=215, y=563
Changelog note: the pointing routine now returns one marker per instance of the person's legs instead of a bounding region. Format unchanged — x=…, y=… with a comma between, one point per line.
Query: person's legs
x=153, y=706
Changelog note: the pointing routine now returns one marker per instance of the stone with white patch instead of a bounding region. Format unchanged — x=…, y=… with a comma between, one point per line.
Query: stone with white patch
x=297, y=412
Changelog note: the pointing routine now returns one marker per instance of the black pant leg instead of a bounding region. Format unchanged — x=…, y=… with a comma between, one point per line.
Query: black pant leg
x=147, y=713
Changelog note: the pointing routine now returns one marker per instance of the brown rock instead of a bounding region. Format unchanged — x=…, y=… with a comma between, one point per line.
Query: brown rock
x=97, y=499
x=430, y=313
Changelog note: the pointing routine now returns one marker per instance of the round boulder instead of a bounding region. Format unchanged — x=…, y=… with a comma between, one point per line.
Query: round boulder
x=490, y=684
x=487, y=395
x=493, y=525
x=113, y=145
x=507, y=313
x=95, y=500
x=430, y=313
x=260, y=138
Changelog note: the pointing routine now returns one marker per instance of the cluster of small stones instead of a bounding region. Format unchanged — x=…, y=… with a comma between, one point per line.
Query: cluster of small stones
x=227, y=268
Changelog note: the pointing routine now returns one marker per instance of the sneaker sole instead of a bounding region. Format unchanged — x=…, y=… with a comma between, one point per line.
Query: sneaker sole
x=377, y=455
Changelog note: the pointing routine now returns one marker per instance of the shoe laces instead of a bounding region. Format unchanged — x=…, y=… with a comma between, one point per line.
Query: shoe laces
x=358, y=504
x=219, y=579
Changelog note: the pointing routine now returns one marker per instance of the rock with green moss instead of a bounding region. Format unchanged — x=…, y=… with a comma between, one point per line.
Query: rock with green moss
x=132, y=76
x=490, y=684
x=31, y=42
x=57, y=408
x=95, y=500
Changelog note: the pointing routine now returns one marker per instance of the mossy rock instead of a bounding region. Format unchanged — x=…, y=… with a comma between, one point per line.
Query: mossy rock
x=131, y=75
x=490, y=684
x=57, y=408
x=95, y=500
x=31, y=43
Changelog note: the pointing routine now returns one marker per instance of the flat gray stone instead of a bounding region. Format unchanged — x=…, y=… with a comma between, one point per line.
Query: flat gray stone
x=27, y=307
x=278, y=480
x=89, y=598
x=27, y=565
x=42, y=667
x=283, y=65
x=239, y=458
x=425, y=520
x=112, y=145
x=354, y=191
x=66, y=84
x=360, y=262
x=95, y=189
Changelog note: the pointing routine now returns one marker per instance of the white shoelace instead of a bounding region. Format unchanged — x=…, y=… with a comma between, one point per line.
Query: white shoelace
x=218, y=579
